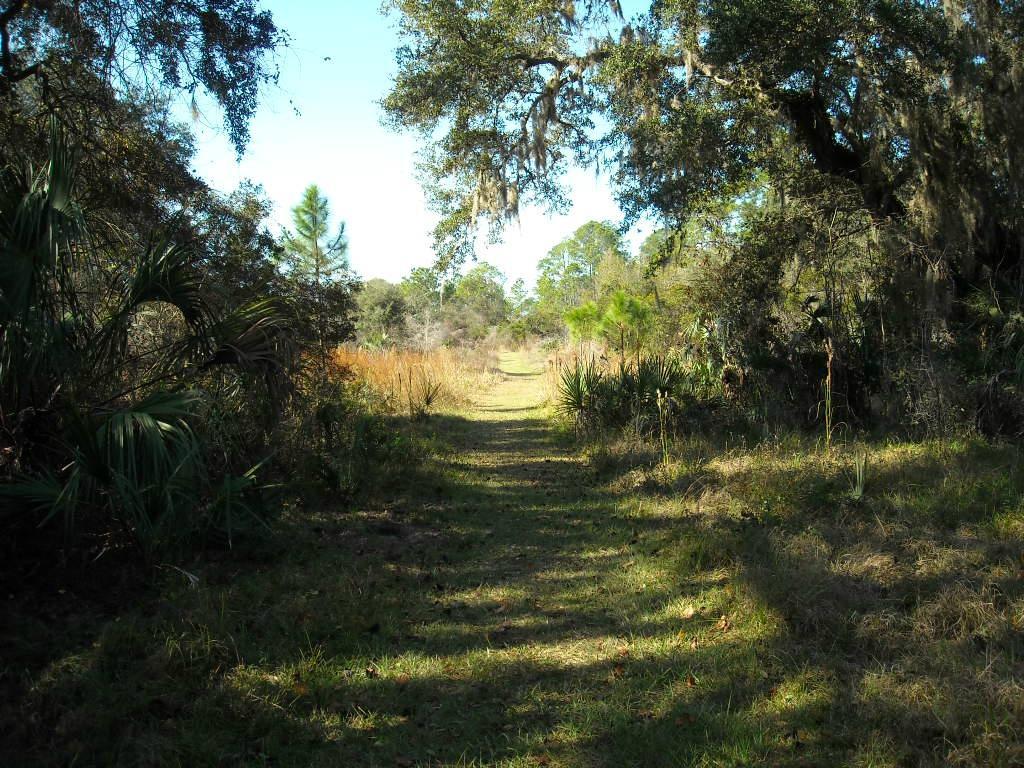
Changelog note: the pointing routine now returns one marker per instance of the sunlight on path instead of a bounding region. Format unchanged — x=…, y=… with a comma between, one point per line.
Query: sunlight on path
x=543, y=602
x=520, y=392
x=507, y=609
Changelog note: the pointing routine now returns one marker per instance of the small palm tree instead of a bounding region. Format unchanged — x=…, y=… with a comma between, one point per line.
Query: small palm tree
x=98, y=415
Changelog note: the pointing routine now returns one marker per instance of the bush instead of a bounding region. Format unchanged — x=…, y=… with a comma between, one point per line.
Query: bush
x=339, y=442
x=106, y=360
x=655, y=394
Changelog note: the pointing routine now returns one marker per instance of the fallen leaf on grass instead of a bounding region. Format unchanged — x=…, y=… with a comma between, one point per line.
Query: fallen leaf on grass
x=689, y=612
x=691, y=681
x=723, y=624
x=624, y=651
x=371, y=672
x=693, y=643
x=618, y=671
x=300, y=689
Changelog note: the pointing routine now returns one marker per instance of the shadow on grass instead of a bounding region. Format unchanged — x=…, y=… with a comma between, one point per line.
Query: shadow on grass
x=506, y=605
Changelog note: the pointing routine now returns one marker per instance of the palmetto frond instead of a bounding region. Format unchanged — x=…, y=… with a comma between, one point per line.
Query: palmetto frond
x=254, y=336
x=39, y=223
x=142, y=463
x=578, y=388
x=40, y=238
x=75, y=347
x=165, y=273
x=658, y=373
x=150, y=439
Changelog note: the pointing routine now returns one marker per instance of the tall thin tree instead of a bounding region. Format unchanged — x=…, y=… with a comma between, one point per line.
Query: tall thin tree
x=314, y=261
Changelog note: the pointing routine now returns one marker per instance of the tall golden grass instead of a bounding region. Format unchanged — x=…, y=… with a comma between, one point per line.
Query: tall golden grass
x=416, y=382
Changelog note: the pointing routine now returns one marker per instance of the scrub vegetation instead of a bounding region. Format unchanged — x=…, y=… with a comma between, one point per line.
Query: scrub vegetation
x=517, y=605
x=748, y=492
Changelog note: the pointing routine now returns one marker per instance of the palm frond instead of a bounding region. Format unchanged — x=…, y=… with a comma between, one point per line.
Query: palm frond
x=165, y=273
x=577, y=390
x=255, y=336
x=39, y=224
x=239, y=503
x=40, y=232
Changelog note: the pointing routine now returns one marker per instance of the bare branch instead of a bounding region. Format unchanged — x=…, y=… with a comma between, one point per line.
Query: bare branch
x=6, y=59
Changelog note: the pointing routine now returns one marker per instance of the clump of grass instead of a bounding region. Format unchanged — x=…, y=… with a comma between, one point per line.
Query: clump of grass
x=421, y=393
x=418, y=382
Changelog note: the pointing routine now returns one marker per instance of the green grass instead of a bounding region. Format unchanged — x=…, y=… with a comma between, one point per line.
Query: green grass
x=518, y=605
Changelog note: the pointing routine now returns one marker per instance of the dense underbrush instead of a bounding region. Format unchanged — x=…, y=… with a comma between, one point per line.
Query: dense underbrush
x=654, y=395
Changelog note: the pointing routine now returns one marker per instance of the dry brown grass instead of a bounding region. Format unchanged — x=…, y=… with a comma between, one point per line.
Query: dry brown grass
x=415, y=382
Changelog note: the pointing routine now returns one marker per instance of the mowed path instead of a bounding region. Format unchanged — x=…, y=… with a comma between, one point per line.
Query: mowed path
x=552, y=631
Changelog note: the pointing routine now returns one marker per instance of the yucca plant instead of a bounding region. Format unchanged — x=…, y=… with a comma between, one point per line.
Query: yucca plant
x=704, y=363
x=703, y=378
x=422, y=392
x=239, y=503
x=664, y=414
x=860, y=471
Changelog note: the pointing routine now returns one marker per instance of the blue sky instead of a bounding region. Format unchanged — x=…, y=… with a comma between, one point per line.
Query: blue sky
x=338, y=66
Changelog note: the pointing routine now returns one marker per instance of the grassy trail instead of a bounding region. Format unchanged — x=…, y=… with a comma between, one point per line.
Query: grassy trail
x=510, y=606
x=549, y=631
x=536, y=603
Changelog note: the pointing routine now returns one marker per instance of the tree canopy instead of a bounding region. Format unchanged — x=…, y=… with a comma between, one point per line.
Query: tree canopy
x=567, y=274
x=908, y=108
x=382, y=313
x=219, y=47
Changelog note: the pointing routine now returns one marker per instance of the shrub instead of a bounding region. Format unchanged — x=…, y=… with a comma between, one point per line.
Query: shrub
x=655, y=394
x=105, y=362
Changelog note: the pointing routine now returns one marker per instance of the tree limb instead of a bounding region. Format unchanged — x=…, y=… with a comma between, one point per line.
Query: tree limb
x=8, y=77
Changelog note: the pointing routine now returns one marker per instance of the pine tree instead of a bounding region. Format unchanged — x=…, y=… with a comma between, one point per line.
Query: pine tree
x=318, y=269
x=309, y=255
